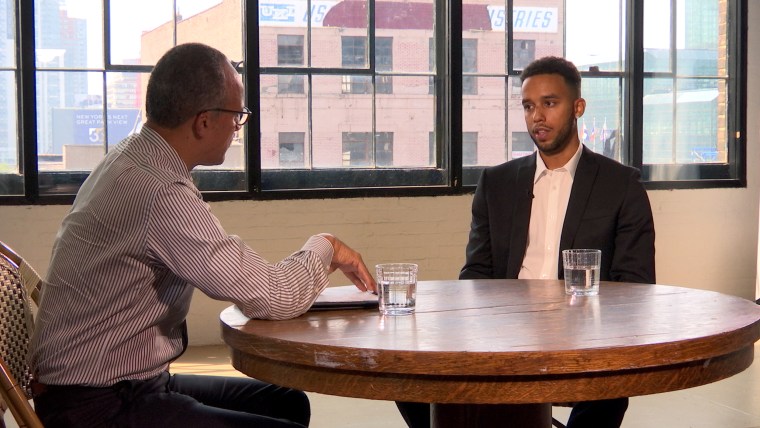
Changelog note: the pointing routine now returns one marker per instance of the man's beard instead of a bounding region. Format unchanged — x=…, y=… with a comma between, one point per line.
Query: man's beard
x=560, y=142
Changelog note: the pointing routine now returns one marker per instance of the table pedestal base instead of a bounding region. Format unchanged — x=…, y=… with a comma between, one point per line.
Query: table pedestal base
x=491, y=415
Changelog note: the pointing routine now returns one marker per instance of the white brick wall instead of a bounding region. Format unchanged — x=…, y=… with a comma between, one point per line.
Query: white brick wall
x=705, y=238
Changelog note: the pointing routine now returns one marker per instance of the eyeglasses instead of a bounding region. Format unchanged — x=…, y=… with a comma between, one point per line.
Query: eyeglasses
x=241, y=116
x=237, y=65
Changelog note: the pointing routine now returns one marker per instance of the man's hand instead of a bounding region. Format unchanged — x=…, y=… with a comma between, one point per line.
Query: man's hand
x=351, y=264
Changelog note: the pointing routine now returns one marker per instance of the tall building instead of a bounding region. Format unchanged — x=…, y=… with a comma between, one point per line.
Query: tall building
x=701, y=17
x=61, y=41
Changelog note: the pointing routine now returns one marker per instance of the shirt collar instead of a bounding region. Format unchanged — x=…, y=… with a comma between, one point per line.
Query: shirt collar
x=158, y=144
x=571, y=166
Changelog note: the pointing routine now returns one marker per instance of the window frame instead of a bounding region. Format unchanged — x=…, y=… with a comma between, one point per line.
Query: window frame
x=444, y=178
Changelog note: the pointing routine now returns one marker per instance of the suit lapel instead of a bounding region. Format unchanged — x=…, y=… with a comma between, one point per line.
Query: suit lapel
x=583, y=182
x=521, y=220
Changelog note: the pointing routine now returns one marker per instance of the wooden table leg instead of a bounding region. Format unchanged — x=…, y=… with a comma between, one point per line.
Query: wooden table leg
x=491, y=415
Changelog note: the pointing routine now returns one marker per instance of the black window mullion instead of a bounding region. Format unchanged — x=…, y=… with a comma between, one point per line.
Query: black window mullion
x=453, y=88
x=736, y=87
x=674, y=72
x=27, y=99
x=252, y=83
x=634, y=88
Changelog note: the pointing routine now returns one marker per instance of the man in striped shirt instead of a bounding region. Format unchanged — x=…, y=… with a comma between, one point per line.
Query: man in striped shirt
x=137, y=241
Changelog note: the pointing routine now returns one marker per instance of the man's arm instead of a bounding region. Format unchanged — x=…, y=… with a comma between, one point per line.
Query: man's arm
x=634, y=259
x=479, y=263
x=194, y=246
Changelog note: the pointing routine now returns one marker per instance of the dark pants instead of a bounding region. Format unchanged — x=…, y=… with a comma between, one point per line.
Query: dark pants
x=180, y=401
x=586, y=414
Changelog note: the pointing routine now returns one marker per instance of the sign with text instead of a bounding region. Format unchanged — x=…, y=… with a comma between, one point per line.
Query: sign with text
x=294, y=13
x=289, y=13
x=526, y=19
x=85, y=126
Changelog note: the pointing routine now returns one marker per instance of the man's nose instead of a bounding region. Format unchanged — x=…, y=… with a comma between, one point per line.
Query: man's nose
x=538, y=114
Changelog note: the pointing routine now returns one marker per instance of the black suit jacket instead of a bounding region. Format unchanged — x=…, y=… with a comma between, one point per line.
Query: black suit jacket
x=608, y=210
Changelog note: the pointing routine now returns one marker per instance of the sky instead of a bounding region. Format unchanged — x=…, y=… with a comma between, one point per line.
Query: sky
x=134, y=18
x=589, y=39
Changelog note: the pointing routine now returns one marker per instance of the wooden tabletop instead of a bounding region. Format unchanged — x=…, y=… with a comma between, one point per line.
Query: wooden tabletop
x=506, y=341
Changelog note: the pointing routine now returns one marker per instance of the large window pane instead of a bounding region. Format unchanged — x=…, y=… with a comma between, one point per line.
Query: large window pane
x=138, y=37
x=686, y=125
x=70, y=128
x=330, y=48
x=484, y=116
x=69, y=33
x=410, y=116
x=543, y=23
x=412, y=25
x=291, y=149
x=595, y=34
x=11, y=182
x=657, y=35
x=7, y=34
x=10, y=161
x=601, y=126
x=334, y=115
x=287, y=17
x=686, y=110
x=283, y=113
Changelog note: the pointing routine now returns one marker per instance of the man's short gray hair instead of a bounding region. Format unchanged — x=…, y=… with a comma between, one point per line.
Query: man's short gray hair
x=189, y=78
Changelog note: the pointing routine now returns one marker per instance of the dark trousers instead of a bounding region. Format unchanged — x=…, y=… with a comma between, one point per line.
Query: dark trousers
x=586, y=414
x=180, y=401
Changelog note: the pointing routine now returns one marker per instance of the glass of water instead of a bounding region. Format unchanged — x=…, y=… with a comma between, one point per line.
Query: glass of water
x=397, y=283
x=582, y=271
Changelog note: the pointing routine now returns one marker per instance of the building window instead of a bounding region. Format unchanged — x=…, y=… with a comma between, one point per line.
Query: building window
x=354, y=55
x=469, y=65
x=431, y=65
x=523, y=53
x=290, y=52
x=522, y=145
x=291, y=149
x=469, y=148
x=384, y=62
x=357, y=149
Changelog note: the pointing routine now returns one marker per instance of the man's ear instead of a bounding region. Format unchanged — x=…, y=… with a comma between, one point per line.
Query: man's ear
x=580, y=107
x=200, y=124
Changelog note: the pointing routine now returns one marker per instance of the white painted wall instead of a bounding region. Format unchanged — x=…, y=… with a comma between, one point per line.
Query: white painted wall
x=706, y=239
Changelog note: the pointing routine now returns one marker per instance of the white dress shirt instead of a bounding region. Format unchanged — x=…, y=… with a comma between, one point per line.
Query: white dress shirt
x=551, y=193
x=138, y=240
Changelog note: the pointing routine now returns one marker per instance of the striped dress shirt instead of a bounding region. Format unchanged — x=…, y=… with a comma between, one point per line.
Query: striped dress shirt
x=137, y=241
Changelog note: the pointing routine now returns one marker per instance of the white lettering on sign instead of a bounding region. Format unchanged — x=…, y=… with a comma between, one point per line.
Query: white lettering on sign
x=278, y=13
x=526, y=19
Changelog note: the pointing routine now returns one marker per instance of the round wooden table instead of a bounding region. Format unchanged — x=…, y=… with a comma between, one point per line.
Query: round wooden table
x=472, y=344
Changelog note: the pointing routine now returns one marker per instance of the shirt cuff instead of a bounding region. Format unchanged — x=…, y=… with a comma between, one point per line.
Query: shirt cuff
x=320, y=246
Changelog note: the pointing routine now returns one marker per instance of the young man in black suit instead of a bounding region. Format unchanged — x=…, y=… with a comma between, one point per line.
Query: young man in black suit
x=526, y=211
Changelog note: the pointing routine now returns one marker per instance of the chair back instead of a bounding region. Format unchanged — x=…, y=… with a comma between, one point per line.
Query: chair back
x=16, y=326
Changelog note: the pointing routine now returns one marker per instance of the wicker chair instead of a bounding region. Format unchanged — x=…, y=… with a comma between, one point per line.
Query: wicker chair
x=17, y=280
